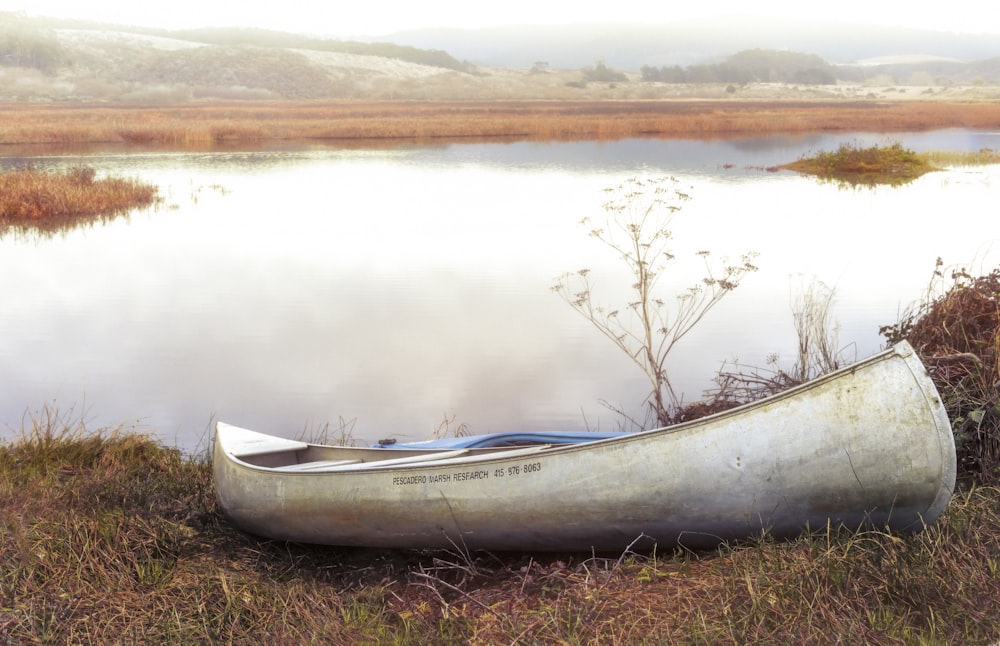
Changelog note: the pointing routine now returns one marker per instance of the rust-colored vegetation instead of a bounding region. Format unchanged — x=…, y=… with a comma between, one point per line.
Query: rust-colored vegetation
x=957, y=333
x=51, y=201
x=211, y=125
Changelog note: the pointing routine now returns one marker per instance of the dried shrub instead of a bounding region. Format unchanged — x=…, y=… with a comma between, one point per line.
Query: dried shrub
x=956, y=335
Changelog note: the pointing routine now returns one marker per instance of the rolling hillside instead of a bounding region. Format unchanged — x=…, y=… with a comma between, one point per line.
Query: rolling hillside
x=51, y=60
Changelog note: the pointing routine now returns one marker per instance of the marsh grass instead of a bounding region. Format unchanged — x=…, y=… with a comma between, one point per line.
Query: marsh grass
x=855, y=165
x=109, y=537
x=211, y=125
x=53, y=201
x=979, y=157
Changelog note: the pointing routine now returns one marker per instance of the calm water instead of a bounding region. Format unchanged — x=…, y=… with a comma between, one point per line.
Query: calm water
x=395, y=289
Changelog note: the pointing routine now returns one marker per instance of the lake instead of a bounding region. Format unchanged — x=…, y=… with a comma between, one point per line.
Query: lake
x=400, y=291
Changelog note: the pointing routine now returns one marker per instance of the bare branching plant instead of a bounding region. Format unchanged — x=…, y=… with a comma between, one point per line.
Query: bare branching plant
x=449, y=428
x=638, y=228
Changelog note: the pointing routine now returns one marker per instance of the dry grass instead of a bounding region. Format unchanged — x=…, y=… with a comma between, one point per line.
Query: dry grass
x=111, y=538
x=213, y=124
x=980, y=157
x=50, y=201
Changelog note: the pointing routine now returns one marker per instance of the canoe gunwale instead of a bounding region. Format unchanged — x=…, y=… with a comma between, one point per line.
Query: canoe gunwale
x=902, y=349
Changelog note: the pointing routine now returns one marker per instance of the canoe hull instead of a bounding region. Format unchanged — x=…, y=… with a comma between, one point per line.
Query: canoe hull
x=868, y=445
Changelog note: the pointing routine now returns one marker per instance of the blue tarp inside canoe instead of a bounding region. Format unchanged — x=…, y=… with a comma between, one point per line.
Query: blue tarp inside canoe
x=501, y=440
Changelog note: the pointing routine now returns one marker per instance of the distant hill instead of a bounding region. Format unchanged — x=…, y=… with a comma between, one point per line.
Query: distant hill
x=58, y=60
x=630, y=46
x=264, y=38
x=750, y=66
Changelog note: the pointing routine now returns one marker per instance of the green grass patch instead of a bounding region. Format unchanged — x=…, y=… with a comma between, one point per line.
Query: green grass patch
x=854, y=165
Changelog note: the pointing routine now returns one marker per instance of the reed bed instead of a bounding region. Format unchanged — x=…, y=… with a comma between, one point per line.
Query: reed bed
x=208, y=125
x=963, y=158
x=51, y=201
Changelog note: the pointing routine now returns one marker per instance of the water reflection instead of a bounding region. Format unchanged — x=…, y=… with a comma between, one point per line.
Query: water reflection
x=286, y=289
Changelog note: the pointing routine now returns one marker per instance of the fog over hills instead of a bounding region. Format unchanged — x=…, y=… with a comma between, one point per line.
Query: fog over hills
x=60, y=60
x=629, y=46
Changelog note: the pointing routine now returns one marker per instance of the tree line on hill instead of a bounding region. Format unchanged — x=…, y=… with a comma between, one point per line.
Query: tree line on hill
x=24, y=45
x=751, y=66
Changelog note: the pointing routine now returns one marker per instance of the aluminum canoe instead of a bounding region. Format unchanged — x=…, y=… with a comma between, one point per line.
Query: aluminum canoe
x=867, y=445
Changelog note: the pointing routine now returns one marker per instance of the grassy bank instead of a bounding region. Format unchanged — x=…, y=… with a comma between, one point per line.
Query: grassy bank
x=112, y=538
x=214, y=124
x=51, y=201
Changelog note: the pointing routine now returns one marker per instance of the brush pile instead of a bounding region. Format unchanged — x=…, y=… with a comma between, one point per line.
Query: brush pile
x=957, y=334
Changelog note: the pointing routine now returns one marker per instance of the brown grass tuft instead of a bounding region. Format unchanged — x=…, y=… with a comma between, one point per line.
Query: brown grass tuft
x=50, y=201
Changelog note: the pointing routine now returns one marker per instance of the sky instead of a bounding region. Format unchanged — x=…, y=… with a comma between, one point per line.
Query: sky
x=378, y=17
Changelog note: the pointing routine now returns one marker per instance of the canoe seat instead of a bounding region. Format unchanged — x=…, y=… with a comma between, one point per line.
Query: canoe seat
x=319, y=464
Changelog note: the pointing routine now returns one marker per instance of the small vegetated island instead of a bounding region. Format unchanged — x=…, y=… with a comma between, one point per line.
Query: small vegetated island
x=856, y=166
x=51, y=201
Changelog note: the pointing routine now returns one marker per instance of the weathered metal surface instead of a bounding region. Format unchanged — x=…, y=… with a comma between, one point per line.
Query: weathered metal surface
x=869, y=444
